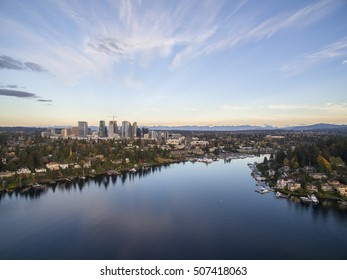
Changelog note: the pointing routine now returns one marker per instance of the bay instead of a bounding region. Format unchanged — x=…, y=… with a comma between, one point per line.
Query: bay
x=179, y=211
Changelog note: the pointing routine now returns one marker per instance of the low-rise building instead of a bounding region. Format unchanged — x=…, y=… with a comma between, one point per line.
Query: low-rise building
x=100, y=157
x=281, y=183
x=327, y=188
x=23, y=170
x=342, y=190
x=293, y=186
x=199, y=143
x=318, y=176
x=40, y=170
x=64, y=165
x=7, y=174
x=312, y=188
x=52, y=166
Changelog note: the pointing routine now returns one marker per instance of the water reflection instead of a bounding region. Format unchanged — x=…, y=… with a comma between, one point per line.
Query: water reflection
x=173, y=212
x=79, y=184
x=323, y=210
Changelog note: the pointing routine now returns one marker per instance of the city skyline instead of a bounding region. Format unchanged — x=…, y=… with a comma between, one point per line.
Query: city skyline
x=173, y=62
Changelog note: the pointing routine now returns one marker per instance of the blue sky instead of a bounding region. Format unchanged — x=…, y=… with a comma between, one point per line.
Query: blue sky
x=173, y=62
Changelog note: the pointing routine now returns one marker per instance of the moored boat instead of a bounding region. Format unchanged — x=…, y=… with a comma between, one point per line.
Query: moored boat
x=262, y=190
x=113, y=172
x=305, y=199
x=314, y=199
x=281, y=195
x=38, y=187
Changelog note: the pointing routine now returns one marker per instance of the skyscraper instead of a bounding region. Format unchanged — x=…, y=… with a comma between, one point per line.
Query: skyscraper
x=126, y=129
x=112, y=129
x=82, y=129
x=134, y=130
x=102, y=129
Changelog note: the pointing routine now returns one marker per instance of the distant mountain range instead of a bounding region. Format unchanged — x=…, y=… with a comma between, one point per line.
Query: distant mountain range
x=314, y=127
x=320, y=126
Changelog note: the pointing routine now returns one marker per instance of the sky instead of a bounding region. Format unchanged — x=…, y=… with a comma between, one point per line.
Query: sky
x=162, y=62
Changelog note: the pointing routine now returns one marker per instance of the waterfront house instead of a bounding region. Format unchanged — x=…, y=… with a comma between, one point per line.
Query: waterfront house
x=23, y=171
x=6, y=174
x=312, y=188
x=100, y=157
x=341, y=189
x=281, y=183
x=52, y=166
x=292, y=186
x=40, y=170
x=334, y=183
x=64, y=165
x=327, y=188
x=318, y=176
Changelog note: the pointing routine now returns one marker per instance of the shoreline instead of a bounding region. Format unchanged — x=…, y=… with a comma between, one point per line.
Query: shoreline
x=46, y=182
x=52, y=182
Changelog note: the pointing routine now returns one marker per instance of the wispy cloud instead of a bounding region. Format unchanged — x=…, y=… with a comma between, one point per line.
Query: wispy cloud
x=302, y=17
x=9, y=86
x=336, y=50
x=189, y=30
x=22, y=94
x=190, y=109
x=17, y=93
x=45, y=100
x=7, y=62
x=234, y=107
x=323, y=107
x=139, y=32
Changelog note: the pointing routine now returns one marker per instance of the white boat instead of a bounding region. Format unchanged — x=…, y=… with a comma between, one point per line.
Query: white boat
x=113, y=172
x=281, y=195
x=305, y=199
x=260, y=178
x=262, y=190
x=38, y=187
x=133, y=170
x=83, y=177
x=314, y=199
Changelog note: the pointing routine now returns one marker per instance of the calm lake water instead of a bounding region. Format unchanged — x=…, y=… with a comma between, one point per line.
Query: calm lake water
x=180, y=211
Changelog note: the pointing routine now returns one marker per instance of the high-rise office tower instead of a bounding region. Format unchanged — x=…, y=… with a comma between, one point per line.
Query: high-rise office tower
x=134, y=130
x=138, y=133
x=82, y=129
x=126, y=129
x=112, y=129
x=102, y=129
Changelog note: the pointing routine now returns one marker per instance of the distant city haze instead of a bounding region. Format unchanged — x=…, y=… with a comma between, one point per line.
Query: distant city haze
x=173, y=63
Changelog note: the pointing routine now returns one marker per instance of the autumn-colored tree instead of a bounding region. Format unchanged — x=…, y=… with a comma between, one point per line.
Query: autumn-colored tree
x=323, y=165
